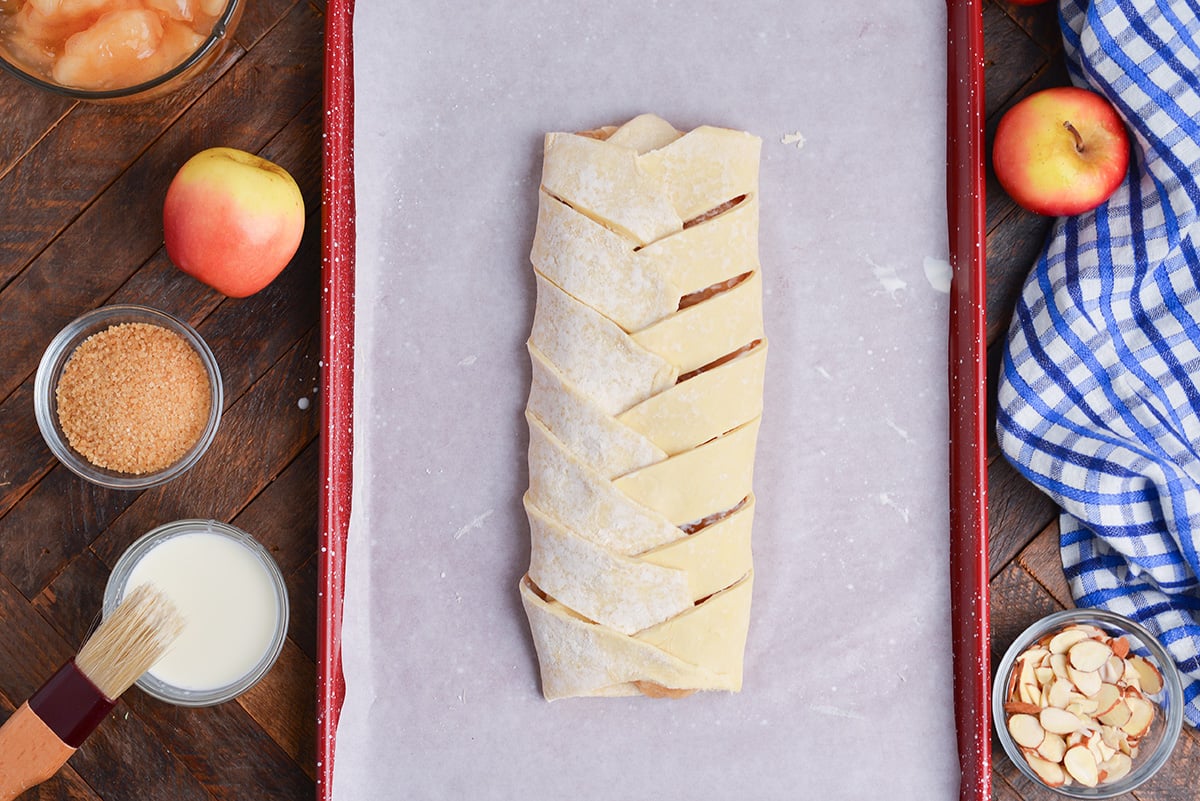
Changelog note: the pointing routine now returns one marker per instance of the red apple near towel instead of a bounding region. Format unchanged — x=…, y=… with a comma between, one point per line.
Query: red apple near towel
x=1061, y=151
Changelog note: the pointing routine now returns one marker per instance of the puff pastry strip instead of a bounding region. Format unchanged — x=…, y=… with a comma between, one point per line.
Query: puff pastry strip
x=648, y=356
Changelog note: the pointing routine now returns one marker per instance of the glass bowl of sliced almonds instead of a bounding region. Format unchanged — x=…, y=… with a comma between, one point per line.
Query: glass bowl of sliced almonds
x=1087, y=703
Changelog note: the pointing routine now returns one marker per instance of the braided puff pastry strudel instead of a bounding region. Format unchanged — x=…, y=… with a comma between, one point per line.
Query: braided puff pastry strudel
x=648, y=354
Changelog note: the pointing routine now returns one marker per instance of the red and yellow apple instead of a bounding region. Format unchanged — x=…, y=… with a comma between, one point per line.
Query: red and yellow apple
x=1061, y=151
x=232, y=220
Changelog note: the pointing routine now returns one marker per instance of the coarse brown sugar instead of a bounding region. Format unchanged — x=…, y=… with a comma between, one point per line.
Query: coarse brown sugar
x=133, y=398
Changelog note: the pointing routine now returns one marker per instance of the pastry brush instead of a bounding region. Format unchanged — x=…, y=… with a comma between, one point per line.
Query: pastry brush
x=43, y=734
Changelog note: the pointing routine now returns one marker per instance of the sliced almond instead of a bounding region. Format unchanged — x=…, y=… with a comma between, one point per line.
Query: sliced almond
x=1083, y=707
x=1058, y=663
x=1026, y=731
x=1052, y=747
x=1112, y=736
x=1140, y=717
x=1106, y=698
x=1120, y=647
x=1118, y=716
x=1020, y=707
x=1059, y=694
x=1013, y=679
x=1132, y=691
x=1113, y=670
x=1036, y=654
x=1059, y=721
x=1089, y=630
x=1087, y=682
x=1044, y=674
x=1101, y=750
x=1051, y=773
x=1117, y=767
x=1130, y=675
x=1089, y=655
x=1081, y=765
x=1060, y=643
x=1027, y=686
x=1148, y=674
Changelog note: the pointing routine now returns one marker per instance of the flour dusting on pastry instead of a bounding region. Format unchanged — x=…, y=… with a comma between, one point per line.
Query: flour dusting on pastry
x=648, y=354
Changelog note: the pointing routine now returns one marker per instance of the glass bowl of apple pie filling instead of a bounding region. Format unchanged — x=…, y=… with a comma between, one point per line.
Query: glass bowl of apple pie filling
x=113, y=50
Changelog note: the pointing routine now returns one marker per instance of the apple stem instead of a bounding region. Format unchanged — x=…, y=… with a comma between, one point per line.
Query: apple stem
x=1078, y=139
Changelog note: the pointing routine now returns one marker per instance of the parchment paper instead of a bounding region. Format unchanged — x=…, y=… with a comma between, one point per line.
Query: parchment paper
x=848, y=678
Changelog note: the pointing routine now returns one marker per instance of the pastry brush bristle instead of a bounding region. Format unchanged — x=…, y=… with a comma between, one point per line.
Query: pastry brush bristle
x=128, y=642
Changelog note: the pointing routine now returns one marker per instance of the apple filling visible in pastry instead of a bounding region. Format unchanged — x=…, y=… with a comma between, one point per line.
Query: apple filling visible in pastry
x=648, y=354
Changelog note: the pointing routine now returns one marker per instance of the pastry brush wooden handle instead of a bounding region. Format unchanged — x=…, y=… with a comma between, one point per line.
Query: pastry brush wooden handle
x=46, y=730
x=30, y=753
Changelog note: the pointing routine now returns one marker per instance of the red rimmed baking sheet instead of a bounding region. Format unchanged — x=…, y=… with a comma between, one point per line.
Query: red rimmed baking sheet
x=968, y=396
x=966, y=381
x=337, y=376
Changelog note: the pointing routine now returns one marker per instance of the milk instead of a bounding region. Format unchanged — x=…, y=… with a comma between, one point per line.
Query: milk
x=228, y=602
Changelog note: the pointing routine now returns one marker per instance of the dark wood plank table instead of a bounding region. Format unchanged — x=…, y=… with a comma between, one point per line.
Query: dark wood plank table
x=81, y=189
x=81, y=192
x=1024, y=53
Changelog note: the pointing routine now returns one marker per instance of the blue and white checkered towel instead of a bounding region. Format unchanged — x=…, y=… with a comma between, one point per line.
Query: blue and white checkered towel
x=1099, y=400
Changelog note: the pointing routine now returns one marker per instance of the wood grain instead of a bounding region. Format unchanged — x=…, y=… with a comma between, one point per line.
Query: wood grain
x=81, y=190
x=80, y=197
x=1042, y=560
x=1025, y=55
x=1017, y=511
x=1011, y=57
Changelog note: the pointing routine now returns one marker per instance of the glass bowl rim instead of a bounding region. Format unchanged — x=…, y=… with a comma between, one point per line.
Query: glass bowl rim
x=59, y=351
x=118, y=579
x=1148, y=764
x=215, y=36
